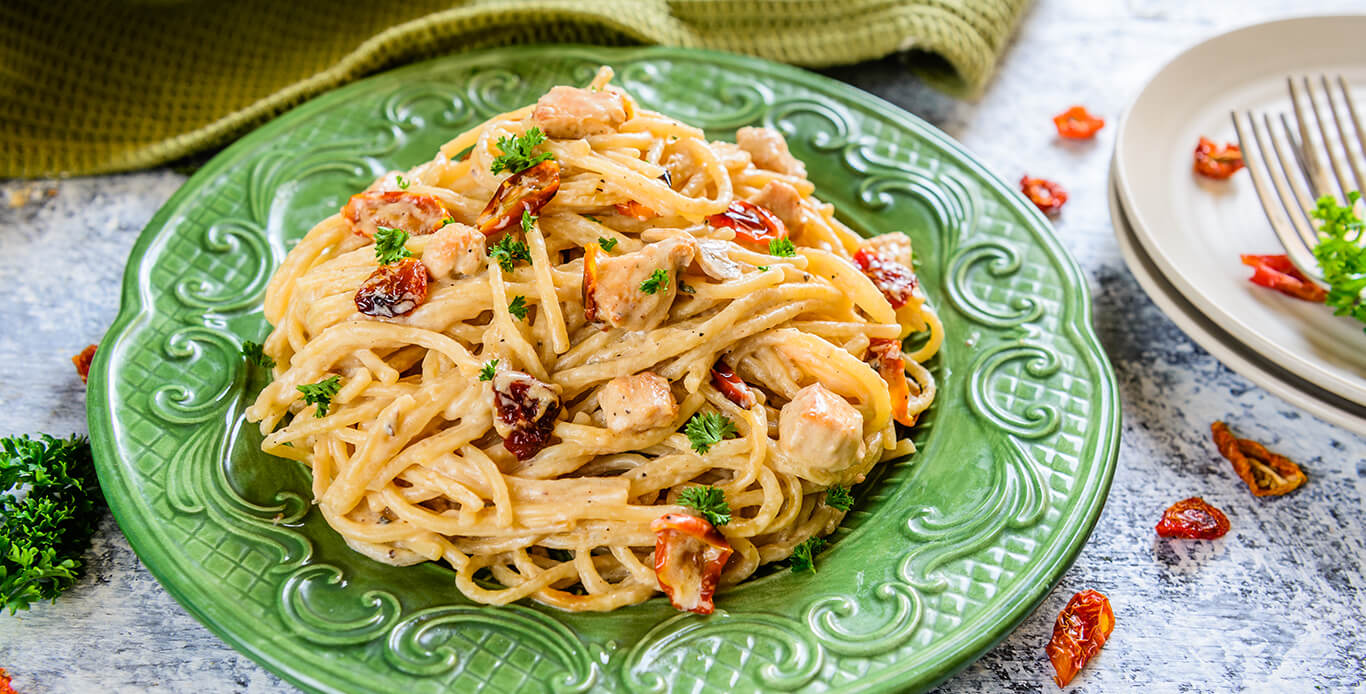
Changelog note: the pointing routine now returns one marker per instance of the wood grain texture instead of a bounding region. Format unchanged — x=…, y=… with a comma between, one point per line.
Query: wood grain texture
x=1273, y=606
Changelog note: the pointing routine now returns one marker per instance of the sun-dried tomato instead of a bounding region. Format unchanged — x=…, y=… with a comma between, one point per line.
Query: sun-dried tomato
x=83, y=361
x=1046, y=195
x=526, y=409
x=590, y=282
x=1264, y=472
x=1217, y=161
x=1277, y=272
x=891, y=366
x=1077, y=123
x=527, y=191
x=896, y=281
x=731, y=385
x=634, y=210
x=5, y=686
x=414, y=213
x=1193, y=519
x=393, y=290
x=689, y=557
x=1078, y=635
x=751, y=223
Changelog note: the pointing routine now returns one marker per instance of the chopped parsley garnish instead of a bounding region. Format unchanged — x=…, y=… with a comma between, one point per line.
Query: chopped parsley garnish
x=839, y=497
x=528, y=220
x=486, y=373
x=517, y=155
x=593, y=219
x=508, y=252
x=763, y=268
x=389, y=247
x=49, y=506
x=607, y=244
x=320, y=394
x=804, y=555
x=518, y=307
x=709, y=502
x=782, y=248
x=655, y=282
x=686, y=288
x=1342, y=259
x=402, y=182
x=256, y=355
x=706, y=429
x=447, y=220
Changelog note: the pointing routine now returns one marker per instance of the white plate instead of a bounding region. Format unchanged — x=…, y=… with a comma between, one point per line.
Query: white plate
x=1224, y=347
x=1193, y=228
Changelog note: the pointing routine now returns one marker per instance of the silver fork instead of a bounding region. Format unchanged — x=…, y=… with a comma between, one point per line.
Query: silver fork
x=1290, y=175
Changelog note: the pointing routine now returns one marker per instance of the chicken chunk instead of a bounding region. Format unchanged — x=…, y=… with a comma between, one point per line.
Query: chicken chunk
x=637, y=403
x=894, y=246
x=457, y=249
x=769, y=151
x=783, y=201
x=569, y=113
x=626, y=291
x=821, y=435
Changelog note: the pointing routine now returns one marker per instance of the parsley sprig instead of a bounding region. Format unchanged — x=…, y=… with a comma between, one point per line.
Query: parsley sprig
x=518, y=307
x=320, y=394
x=49, y=506
x=607, y=244
x=803, y=557
x=256, y=354
x=782, y=248
x=709, y=502
x=389, y=245
x=706, y=429
x=486, y=373
x=839, y=497
x=517, y=151
x=657, y=280
x=1342, y=259
x=402, y=182
x=528, y=220
x=508, y=252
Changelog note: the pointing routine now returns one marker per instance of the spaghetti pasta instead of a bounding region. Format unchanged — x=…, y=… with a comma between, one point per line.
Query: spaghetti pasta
x=622, y=313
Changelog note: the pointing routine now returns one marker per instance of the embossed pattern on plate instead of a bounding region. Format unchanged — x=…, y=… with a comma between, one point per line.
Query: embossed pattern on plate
x=943, y=555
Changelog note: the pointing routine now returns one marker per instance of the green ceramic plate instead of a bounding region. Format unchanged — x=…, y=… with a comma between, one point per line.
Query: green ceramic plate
x=944, y=555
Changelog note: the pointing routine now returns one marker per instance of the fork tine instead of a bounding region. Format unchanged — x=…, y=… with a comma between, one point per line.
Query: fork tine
x=1297, y=206
x=1339, y=169
x=1313, y=166
x=1357, y=157
x=1275, y=202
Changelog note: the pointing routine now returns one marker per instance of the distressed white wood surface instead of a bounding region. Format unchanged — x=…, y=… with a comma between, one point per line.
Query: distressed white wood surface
x=1276, y=605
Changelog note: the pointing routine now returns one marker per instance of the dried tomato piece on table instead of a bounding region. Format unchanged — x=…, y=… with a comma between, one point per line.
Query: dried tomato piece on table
x=5, y=687
x=1217, y=161
x=393, y=290
x=689, y=556
x=1077, y=123
x=83, y=361
x=1046, y=195
x=752, y=223
x=525, y=192
x=1277, y=272
x=1078, y=635
x=1193, y=519
x=1264, y=472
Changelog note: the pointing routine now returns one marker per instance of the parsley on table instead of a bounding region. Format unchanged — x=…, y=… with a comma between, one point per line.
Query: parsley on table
x=607, y=244
x=709, y=502
x=528, y=220
x=518, y=307
x=49, y=506
x=320, y=394
x=486, y=373
x=508, y=252
x=839, y=497
x=782, y=248
x=256, y=354
x=1342, y=259
x=517, y=153
x=402, y=182
x=655, y=282
x=804, y=555
x=389, y=248
x=706, y=429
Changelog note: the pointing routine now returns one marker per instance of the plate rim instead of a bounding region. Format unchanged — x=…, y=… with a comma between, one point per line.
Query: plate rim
x=1231, y=324
x=1076, y=320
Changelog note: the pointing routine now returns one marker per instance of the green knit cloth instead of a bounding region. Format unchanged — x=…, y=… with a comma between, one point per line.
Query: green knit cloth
x=94, y=86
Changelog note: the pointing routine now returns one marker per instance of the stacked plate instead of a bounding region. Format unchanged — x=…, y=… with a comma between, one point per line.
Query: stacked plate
x=1181, y=234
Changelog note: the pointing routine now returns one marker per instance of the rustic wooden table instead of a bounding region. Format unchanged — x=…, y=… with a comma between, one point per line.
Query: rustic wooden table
x=1277, y=605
